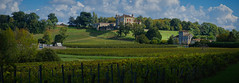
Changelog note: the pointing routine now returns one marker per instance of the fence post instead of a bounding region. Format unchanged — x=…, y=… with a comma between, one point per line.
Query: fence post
x=107, y=75
x=82, y=72
x=15, y=74
x=63, y=76
x=122, y=77
x=29, y=74
x=1, y=72
x=73, y=75
x=40, y=74
x=118, y=72
x=112, y=79
x=98, y=73
x=69, y=79
x=131, y=70
x=135, y=77
x=163, y=76
x=52, y=72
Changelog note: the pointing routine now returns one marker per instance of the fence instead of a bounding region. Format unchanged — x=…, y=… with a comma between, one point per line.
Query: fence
x=111, y=73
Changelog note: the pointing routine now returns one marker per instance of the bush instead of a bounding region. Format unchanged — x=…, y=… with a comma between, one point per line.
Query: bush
x=142, y=39
x=164, y=42
x=155, y=40
x=224, y=44
x=47, y=54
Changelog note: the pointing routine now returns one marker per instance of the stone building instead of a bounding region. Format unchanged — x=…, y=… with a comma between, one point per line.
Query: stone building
x=125, y=19
x=185, y=37
x=104, y=26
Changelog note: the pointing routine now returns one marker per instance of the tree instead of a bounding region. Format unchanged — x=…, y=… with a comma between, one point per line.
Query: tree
x=8, y=50
x=195, y=29
x=127, y=29
x=95, y=18
x=61, y=36
x=142, y=39
x=47, y=37
x=149, y=23
x=84, y=19
x=121, y=28
x=176, y=24
x=47, y=54
x=137, y=29
x=170, y=40
x=207, y=28
x=52, y=17
x=71, y=21
x=153, y=32
x=233, y=37
x=155, y=40
x=111, y=20
x=27, y=46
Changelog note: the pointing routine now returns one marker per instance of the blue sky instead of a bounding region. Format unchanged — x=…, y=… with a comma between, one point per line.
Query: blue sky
x=223, y=13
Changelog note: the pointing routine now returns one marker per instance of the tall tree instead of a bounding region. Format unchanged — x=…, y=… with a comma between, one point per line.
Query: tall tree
x=71, y=21
x=95, y=18
x=153, y=32
x=61, y=36
x=84, y=19
x=137, y=29
x=52, y=17
x=176, y=24
x=8, y=46
x=149, y=23
x=27, y=46
x=47, y=37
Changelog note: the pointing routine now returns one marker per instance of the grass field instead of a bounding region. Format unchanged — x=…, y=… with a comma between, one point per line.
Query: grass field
x=91, y=36
x=167, y=34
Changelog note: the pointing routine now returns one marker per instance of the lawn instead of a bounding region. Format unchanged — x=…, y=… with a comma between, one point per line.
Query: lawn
x=167, y=34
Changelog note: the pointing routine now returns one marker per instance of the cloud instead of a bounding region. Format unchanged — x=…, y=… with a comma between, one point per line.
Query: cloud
x=68, y=2
x=220, y=15
x=9, y=6
x=223, y=16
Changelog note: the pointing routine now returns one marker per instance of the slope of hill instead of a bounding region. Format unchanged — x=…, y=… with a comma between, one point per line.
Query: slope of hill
x=90, y=36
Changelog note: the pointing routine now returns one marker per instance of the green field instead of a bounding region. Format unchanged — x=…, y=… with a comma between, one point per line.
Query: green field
x=91, y=36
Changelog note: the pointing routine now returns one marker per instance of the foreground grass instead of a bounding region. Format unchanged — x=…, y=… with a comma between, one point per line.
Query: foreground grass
x=229, y=75
x=88, y=58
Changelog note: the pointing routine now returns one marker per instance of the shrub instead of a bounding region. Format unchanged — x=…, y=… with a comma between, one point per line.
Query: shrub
x=142, y=39
x=47, y=54
x=155, y=40
x=164, y=42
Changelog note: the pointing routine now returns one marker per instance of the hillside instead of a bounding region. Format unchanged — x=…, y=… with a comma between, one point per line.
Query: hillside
x=89, y=36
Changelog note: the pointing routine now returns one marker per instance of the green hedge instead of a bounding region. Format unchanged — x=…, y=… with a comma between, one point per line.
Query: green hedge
x=224, y=44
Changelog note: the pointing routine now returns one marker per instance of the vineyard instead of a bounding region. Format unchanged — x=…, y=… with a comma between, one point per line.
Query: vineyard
x=172, y=67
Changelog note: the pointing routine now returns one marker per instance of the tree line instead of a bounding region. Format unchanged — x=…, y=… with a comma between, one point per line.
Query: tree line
x=86, y=20
x=29, y=22
x=20, y=46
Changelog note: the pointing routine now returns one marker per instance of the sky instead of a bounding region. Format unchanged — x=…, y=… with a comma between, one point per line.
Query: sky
x=223, y=13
